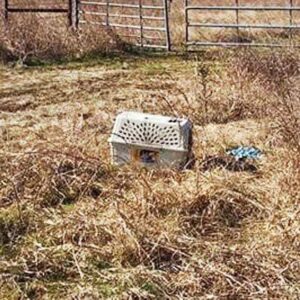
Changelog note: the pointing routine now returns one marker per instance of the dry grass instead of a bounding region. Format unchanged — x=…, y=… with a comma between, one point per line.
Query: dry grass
x=73, y=226
x=30, y=37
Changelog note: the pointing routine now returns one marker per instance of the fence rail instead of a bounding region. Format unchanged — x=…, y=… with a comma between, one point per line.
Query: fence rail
x=52, y=10
x=238, y=8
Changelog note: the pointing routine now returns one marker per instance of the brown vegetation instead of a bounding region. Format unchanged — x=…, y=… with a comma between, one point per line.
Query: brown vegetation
x=73, y=226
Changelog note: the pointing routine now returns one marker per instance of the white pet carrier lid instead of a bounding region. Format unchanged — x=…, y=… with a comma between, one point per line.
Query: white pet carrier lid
x=153, y=131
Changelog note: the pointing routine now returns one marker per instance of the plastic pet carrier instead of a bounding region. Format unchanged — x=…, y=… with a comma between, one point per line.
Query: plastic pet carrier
x=151, y=140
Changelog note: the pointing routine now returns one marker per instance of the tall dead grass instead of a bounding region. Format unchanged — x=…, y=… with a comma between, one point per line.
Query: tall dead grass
x=74, y=226
x=278, y=72
x=32, y=36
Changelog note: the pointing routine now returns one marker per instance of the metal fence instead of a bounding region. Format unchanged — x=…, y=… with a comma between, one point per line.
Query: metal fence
x=195, y=22
x=145, y=23
x=11, y=8
x=142, y=23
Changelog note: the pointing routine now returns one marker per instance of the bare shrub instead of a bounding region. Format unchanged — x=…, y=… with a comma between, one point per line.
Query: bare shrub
x=43, y=37
x=278, y=73
x=205, y=98
x=273, y=67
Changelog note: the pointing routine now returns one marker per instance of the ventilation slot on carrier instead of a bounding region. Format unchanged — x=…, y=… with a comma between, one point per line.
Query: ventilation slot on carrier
x=149, y=133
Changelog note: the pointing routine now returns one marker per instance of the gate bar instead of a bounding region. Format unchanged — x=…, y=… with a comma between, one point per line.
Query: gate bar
x=149, y=28
x=254, y=8
x=37, y=10
x=121, y=5
x=232, y=44
x=258, y=26
x=123, y=16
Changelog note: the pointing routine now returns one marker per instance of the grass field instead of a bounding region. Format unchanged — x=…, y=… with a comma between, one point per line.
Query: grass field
x=74, y=226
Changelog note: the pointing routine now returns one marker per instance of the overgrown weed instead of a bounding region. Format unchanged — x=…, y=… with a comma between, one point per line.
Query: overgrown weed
x=76, y=225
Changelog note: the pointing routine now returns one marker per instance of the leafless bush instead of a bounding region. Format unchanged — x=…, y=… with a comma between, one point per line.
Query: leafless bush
x=278, y=73
x=273, y=67
x=205, y=98
x=43, y=37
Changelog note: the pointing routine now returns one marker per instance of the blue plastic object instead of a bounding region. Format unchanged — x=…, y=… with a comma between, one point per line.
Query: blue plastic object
x=245, y=152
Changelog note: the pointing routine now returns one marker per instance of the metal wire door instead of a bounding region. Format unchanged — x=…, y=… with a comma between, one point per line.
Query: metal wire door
x=142, y=23
x=242, y=23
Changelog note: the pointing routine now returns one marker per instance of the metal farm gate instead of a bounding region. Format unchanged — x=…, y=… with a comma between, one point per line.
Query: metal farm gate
x=143, y=23
x=242, y=23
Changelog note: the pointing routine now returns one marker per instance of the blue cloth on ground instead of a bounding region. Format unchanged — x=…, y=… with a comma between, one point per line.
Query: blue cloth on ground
x=245, y=152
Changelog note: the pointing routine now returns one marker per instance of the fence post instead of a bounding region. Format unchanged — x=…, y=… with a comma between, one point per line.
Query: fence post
x=141, y=23
x=6, y=10
x=70, y=14
x=77, y=13
x=74, y=13
x=237, y=19
x=291, y=23
x=168, y=39
x=186, y=20
x=107, y=14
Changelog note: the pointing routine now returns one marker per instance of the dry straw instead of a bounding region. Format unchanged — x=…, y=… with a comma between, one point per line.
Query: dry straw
x=72, y=226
